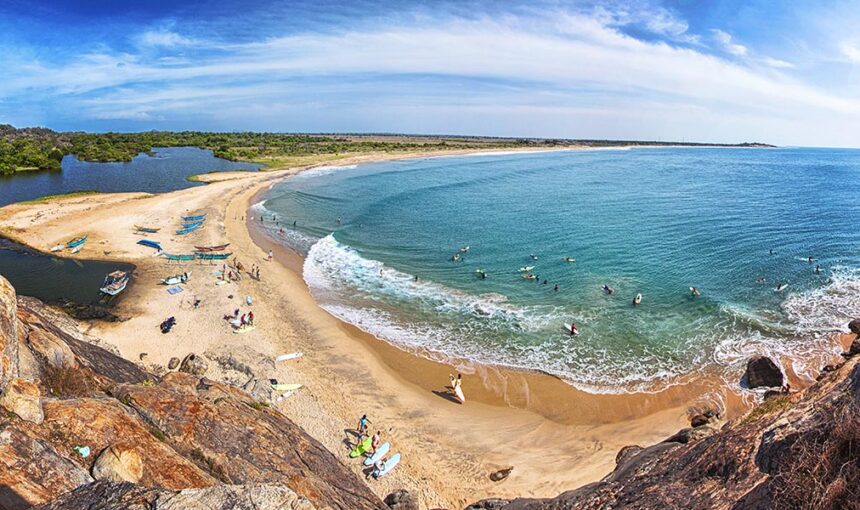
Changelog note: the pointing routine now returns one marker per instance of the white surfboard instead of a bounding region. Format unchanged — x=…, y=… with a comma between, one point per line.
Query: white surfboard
x=287, y=357
x=390, y=464
x=380, y=452
x=567, y=327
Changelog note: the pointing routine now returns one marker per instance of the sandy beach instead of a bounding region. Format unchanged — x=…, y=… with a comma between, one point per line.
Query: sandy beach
x=555, y=437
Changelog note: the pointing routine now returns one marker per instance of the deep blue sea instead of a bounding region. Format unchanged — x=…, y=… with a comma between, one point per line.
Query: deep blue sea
x=650, y=221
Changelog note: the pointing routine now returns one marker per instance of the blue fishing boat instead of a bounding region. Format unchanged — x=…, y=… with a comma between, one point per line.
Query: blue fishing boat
x=193, y=218
x=78, y=241
x=179, y=258
x=151, y=244
x=187, y=230
x=214, y=256
x=192, y=225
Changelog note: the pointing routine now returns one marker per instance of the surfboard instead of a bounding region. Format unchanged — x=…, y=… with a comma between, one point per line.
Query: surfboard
x=286, y=386
x=287, y=357
x=566, y=329
x=458, y=391
x=526, y=268
x=361, y=447
x=243, y=329
x=380, y=452
x=390, y=464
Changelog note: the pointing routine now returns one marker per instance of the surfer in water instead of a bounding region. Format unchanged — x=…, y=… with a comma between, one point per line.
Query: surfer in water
x=810, y=259
x=555, y=289
x=533, y=256
x=607, y=289
x=637, y=300
x=760, y=279
x=573, y=330
x=694, y=292
x=817, y=269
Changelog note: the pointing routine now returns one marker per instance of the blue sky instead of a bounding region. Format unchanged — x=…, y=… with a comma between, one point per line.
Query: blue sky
x=730, y=71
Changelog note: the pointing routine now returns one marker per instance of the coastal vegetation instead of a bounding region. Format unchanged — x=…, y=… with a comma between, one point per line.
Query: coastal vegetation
x=43, y=149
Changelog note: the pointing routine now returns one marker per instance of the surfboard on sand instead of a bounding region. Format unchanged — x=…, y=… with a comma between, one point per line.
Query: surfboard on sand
x=286, y=386
x=287, y=357
x=390, y=464
x=458, y=391
x=361, y=447
x=380, y=452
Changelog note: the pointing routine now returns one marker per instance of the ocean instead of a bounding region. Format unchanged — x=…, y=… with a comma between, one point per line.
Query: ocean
x=379, y=240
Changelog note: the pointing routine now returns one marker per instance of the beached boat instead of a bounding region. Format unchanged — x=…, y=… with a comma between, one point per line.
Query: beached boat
x=194, y=224
x=184, y=231
x=146, y=230
x=78, y=241
x=194, y=218
x=220, y=247
x=214, y=256
x=58, y=247
x=149, y=243
x=184, y=258
x=177, y=278
x=115, y=283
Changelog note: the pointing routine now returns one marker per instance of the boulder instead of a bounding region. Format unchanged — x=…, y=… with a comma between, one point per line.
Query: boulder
x=854, y=326
x=23, y=398
x=126, y=496
x=626, y=453
x=699, y=420
x=194, y=364
x=8, y=333
x=853, y=349
x=173, y=363
x=54, y=351
x=401, y=500
x=118, y=464
x=763, y=371
x=689, y=435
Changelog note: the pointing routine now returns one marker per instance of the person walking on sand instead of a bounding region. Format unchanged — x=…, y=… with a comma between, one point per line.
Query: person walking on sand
x=362, y=426
x=258, y=273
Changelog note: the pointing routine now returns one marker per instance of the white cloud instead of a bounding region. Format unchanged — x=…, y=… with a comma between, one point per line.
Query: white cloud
x=727, y=42
x=851, y=52
x=163, y=38
x=777, y=63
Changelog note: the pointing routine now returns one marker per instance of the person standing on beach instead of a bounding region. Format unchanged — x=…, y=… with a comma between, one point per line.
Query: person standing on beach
x=362, y=426
x=376, y=440
x=271, y=254
x=258, y=273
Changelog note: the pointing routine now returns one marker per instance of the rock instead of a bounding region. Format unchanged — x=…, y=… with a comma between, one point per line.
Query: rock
x=8, y=333
x=89, y=312
x=142, y=356
x=854, y=326
x=853, y=349
x=53, y=350
x=194, y=364
x=626, y=453
x=401, y=500
x=173, y=363
x=126, y=496
x=763, y=371
x=24, y=399
x=32, y=471
x=699, y=420
x=691, y=434
x=118, y=464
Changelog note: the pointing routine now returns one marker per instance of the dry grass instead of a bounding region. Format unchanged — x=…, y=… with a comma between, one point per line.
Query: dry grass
x=67, y=382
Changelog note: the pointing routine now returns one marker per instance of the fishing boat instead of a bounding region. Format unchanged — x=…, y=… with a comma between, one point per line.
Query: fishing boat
x=184, y=231
x=214, y=256
x=194, y=224
x=78, y=241
x=177, y=278
x=57, y=248
x=220, y=247
x=146, y=230
x=149, y=243
x=115, y=283
x=179, y=258
x=194, y=218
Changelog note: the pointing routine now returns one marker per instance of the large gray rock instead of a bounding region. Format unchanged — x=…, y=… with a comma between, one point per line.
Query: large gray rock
x=194, y=364
x=126, y=496
x=763, y=371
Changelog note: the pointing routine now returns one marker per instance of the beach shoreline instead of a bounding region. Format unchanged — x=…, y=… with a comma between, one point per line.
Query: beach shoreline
x=563, y=437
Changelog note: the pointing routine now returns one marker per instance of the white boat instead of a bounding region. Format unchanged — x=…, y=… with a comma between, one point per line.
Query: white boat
x=177, y=278
x=115, y=283
x=58, y=247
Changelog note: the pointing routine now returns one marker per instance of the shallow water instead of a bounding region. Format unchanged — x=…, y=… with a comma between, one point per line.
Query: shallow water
x=650, y=221
x=166, y=170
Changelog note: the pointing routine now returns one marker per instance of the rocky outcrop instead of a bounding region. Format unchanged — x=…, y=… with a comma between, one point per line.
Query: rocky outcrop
x=8, y=334
x=402, y=500
x=763, y=371
x=791, y=452
x=23, y=398
x=194, y=364
x=180, y=439
x=854, y=326
x=127, y=496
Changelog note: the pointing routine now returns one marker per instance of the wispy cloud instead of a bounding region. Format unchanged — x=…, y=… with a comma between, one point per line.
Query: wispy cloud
x=851, y=52
x=728, y=44
x=777, y=63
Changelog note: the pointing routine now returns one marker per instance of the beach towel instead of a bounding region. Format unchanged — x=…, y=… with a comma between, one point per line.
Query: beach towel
x=174, y=290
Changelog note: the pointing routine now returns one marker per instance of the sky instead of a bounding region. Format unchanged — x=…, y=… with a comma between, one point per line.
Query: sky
x=780, y=72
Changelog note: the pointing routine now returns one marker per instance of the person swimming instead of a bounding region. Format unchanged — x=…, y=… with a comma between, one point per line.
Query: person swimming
x=817, y=269
x=533, y=256
x=637, y=300
x=455, y=257
x=573, y=330
x=760, y=279
x=810, y=259
x=555, y=289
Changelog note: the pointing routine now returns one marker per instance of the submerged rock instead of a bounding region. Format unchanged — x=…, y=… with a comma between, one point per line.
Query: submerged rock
x=173, y=363
x=763, y=371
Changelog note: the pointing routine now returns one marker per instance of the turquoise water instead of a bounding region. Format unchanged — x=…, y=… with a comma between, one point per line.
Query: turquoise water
x=649, y=221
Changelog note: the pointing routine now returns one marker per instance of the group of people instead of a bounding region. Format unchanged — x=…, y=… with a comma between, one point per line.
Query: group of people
x=375, y=443
x=237, y=321
x=255, y=272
